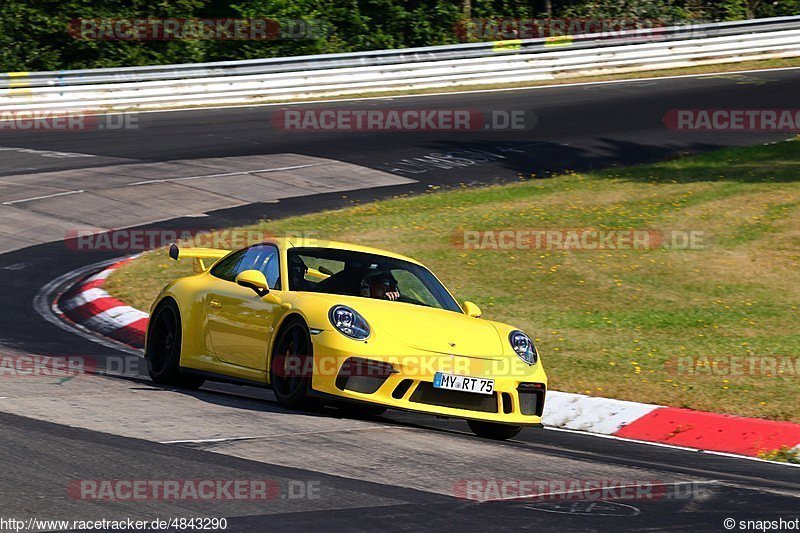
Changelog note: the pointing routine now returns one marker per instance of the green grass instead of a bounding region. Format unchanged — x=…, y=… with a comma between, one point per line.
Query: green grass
x=784, y=454
x=608, y=323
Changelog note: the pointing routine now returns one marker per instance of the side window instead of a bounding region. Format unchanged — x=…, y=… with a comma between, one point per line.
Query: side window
x=226, y=268
x=273, y=272
x=263, y=257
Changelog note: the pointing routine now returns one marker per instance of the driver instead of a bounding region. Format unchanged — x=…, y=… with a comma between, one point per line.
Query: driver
x=380, y=285
x=297, y=274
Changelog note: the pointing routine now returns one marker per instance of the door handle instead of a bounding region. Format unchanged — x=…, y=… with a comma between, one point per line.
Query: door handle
x=215, y=304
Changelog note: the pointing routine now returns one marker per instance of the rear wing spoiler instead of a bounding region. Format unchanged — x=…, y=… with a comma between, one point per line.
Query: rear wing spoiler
x=203, y=257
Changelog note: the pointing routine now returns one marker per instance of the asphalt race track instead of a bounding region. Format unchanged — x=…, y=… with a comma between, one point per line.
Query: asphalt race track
x=400, y=471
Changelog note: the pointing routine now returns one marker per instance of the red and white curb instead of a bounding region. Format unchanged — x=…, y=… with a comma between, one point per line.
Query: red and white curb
x=91, y=307
x=669, y=425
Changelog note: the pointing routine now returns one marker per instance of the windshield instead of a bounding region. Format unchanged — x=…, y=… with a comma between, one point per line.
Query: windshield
x=333, y=271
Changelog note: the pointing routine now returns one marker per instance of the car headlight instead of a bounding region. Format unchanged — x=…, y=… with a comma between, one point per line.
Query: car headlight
x=349, y=322
x=523, y=346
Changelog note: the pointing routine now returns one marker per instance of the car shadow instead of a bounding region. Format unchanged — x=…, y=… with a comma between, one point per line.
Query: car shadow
x=246, y=398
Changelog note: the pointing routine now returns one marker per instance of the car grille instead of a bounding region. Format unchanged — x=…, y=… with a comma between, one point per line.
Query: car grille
x=425, y=393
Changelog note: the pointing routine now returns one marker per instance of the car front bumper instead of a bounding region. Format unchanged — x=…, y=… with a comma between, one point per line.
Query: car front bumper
x=405, y=381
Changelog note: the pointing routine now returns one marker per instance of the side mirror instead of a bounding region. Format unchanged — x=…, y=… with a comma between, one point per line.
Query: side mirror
x=471, y=309
x=253, y=279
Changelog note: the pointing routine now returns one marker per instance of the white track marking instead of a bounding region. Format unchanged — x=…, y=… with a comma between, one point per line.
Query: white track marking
x=44, y=197
x=43, y=153
x=167, y=180
x=673, y=446
x=238, y=173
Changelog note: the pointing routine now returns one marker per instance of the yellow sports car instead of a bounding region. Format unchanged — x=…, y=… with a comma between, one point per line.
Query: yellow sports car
x=360, y=328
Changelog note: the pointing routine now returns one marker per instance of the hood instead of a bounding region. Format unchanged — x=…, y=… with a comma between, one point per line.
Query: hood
x=425, y=328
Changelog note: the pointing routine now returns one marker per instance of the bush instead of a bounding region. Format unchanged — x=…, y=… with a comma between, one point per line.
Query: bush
x=34, y=33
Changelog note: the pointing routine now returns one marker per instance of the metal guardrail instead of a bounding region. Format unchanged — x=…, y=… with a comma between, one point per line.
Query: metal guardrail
x=386, y=57
x=436, y=66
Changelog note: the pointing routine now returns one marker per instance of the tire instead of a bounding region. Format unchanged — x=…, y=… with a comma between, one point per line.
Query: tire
x=492, y=430
x=163, y=350
x=291, y=366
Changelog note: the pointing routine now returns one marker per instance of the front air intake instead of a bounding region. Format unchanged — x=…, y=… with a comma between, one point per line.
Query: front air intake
x=363, y=375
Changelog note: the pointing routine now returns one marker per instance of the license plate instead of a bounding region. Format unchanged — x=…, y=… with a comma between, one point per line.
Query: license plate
x=463, y=383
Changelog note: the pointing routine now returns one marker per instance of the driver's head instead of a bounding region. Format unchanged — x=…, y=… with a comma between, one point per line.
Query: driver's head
x=377, y=284
x=297, y=271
